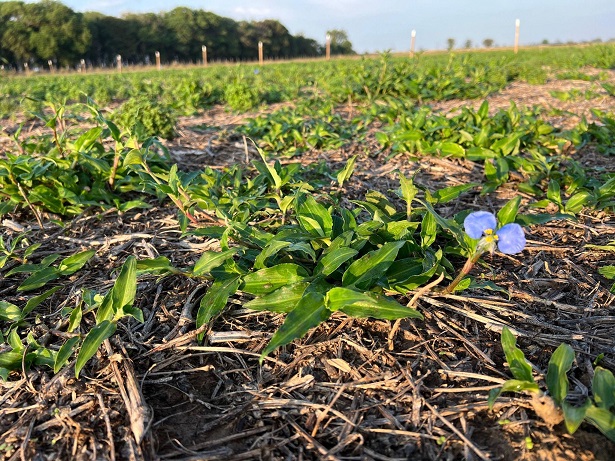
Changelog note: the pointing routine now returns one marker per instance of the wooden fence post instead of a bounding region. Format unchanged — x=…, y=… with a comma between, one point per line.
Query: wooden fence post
x=328, y=47
x=27, y=68
x=204, y=50
x=82, y=66
x=50, y=63
x=119, y=63
x=412, y=40
x=517, y=24
x=157, y=54
x=260, y=53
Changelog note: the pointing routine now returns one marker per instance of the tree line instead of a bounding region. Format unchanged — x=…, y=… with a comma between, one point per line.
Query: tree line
x=37, y=33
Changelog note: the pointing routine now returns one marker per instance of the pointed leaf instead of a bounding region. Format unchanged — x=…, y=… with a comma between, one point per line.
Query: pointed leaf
x=508, y=212
x=34, y=302
x=270, y=279
x=314, y=217
x=75, y=262
x=310, y=312
x=330, y=262
x=64, y=353
x=39, y=279
x=215, y=300
x=604, y=420
x=92, y=342
x=212, y=259
x=358, y=304
x=574, y=416
x=363, y=272
x=282, y=300
x=603, y=388
x=345, y=173
x=559, y=365
x=125, y=287
x=519, y=366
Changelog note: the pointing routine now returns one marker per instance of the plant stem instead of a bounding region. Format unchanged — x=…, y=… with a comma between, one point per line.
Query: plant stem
x=467, y=267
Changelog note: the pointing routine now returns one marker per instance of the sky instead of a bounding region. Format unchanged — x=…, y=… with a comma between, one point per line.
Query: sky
x=387, y=24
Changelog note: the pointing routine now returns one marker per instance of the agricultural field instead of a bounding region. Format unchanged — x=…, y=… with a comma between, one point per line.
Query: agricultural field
x=382, y=258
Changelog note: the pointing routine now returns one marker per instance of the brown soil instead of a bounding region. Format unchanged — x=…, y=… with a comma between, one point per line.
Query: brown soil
x=352, y=389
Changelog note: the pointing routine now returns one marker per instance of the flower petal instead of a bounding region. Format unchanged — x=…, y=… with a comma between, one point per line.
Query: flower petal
x=478, y=222
x=511, y=239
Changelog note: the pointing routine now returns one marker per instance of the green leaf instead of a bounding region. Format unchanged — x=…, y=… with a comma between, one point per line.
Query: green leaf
x=282, y=300
x=508, y=213
x=483, y=110
x=133, y=157
x=553, y=192
x=578, y=201
x=516, y=385
x=450, y=193
x=272, y=248
x=448, y=148
x=363, y=305
x=559, y=365
x=270, y=171
x=125, y=287
x=519, y=367
x=447, y=224
x=574, y=416
x=156, y=266
x=215, y=300
x=92, y=342
x=604, y=420
x=212, y=259
x=408, y=192
x=428, y=230
x=270, y=279
x=39, y=278
x=345, y=173
x=11, y=360
x=9, y=312
x=34, y=302
x=64, y=353
x=75, y=319
x=75, y=262
x=363, y=272
x=313, y=217
x=603, y=388
x=410, y=273
x=310, y=312
x=331, y=261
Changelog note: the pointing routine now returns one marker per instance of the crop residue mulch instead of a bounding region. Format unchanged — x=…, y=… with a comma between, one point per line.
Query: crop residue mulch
x=351, y=389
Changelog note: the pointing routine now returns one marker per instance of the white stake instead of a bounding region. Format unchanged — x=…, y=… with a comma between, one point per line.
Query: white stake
x=412, y=40
x=328, y=47
x=517, y=24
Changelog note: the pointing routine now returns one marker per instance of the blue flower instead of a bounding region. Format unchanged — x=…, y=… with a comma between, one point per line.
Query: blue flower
x=510, y=238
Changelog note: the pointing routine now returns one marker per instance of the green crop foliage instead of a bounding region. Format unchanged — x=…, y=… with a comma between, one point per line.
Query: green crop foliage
x=597, y=410
x=146, y=118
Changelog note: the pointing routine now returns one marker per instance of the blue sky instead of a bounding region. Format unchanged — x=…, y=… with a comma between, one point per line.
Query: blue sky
x=386, y=24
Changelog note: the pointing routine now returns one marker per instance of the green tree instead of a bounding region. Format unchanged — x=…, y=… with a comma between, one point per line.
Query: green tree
x=57, y=32
x=468, y=44
x=450, y=43
x=340, y=44
x=488, y=42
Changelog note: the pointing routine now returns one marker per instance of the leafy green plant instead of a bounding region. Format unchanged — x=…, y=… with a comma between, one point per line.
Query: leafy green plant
x=44, y=272
x=17, y=249
x=147, y=117
x=554, y=406
x=242, y=95
x=108, y=309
